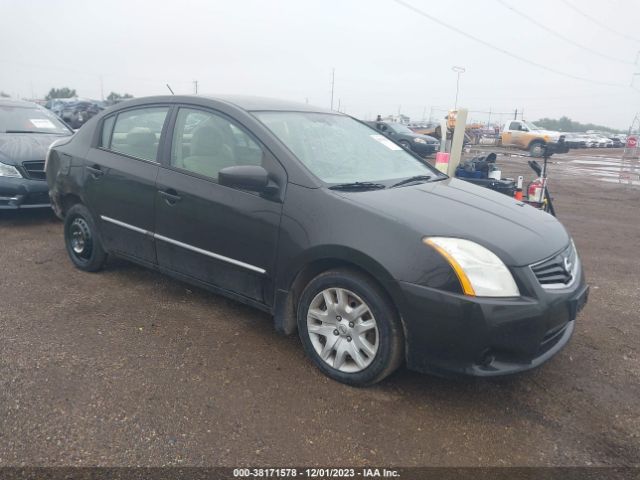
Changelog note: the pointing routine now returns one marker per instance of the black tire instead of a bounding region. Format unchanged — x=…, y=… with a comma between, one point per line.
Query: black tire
x=390, y=336
x=81, y=239
x=406, y=145
x=536, y=149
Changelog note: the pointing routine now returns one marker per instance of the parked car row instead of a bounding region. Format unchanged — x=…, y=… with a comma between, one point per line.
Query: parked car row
x=74, y=111
x=594, y=140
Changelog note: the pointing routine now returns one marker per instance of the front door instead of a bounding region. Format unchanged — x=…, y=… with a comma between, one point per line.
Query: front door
x=218, y=235
x=120, y=180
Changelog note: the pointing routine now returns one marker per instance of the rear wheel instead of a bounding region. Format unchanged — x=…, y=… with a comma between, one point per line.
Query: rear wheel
x=349, y=328
x=81, y=241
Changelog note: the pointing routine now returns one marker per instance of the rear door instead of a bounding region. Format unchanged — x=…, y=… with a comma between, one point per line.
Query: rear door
x=120, y=177
x=216, y=234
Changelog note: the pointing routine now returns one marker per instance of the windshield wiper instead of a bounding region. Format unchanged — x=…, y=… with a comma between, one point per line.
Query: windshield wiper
x=31, y=131
x=416, y=178
x=358, y=186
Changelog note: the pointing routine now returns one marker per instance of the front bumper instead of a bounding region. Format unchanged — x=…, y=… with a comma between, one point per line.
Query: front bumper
x=18, y=193
x=559, y=147
x=424, y=149
x=448, y=333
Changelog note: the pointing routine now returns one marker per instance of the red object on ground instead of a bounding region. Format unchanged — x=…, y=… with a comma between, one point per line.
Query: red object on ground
x=534, y=193
x=632, y=142
x=442, y=161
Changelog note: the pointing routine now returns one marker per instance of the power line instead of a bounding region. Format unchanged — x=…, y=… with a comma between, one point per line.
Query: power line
x=502, y=50
x=599, y=23
x=559, y=35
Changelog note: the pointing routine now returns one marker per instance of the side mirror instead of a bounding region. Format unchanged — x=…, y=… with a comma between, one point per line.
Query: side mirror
x=246, y=177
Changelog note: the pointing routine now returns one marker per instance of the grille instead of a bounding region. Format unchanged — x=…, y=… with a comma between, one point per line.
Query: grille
x=558, y=271
x=34, y=170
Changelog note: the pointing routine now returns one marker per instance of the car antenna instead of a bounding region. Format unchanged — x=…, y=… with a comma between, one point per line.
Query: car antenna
x=170, y=89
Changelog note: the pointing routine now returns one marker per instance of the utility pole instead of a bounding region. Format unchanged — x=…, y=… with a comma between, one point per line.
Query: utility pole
x=515, y=115
x=489, y=121
x=333, y=84
x=195, y=86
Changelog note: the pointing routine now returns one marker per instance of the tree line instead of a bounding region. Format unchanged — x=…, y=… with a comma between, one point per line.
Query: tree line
x=565, y=124
x=66, y=92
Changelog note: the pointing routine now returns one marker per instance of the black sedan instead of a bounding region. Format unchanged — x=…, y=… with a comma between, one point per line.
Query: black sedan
x=372, y=255
x=422, y=145
x=26, y=132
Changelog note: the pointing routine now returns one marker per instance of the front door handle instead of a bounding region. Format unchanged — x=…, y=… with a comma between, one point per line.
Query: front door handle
x=170, y=196
x=95, y=171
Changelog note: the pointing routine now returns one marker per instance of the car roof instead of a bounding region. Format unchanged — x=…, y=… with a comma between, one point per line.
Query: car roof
x=243, y=102
x=10, y=102
x=255, y=103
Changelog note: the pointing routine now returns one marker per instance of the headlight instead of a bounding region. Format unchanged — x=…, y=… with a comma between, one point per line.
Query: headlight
x=480, y=272
x=419, y=140
x=9, y=171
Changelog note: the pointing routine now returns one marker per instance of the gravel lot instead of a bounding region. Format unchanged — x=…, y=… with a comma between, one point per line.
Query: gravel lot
x=129, y=367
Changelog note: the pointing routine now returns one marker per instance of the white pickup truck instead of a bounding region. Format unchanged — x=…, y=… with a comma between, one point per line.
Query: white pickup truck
x=527, y=136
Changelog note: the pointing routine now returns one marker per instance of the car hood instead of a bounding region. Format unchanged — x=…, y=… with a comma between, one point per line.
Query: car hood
x=16, y=148
x=420, y=135
x=519, y=234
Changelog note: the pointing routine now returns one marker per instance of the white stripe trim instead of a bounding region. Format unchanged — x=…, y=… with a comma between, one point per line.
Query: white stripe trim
x=125, y=225
x=209, y=254
x=185, y=245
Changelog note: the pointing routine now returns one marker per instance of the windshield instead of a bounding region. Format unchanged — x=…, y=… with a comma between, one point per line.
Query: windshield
x=338, y=149
x=30, y=119
x=399, y=128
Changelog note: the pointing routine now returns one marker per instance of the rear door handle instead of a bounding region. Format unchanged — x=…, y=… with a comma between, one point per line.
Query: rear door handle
x=95, y=171
x=170, y=196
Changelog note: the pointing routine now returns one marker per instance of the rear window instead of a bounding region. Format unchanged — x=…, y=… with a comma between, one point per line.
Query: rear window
x=137, y=132
x=30, y=119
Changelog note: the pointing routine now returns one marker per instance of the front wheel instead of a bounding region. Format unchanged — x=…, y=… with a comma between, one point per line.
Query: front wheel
x=406, y=145
x=349, y=328
x=81, y=240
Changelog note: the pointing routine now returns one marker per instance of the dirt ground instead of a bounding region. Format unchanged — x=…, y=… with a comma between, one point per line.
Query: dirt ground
x=129, y=367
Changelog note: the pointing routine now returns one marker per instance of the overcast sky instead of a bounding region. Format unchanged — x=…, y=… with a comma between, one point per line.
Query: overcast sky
x=386, y=56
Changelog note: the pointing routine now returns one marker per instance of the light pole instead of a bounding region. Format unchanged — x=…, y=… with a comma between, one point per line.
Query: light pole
x=459, y=71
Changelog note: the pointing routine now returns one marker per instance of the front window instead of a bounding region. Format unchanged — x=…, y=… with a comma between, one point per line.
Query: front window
x=30, y=119
x=338, y=149
x=205, y=143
